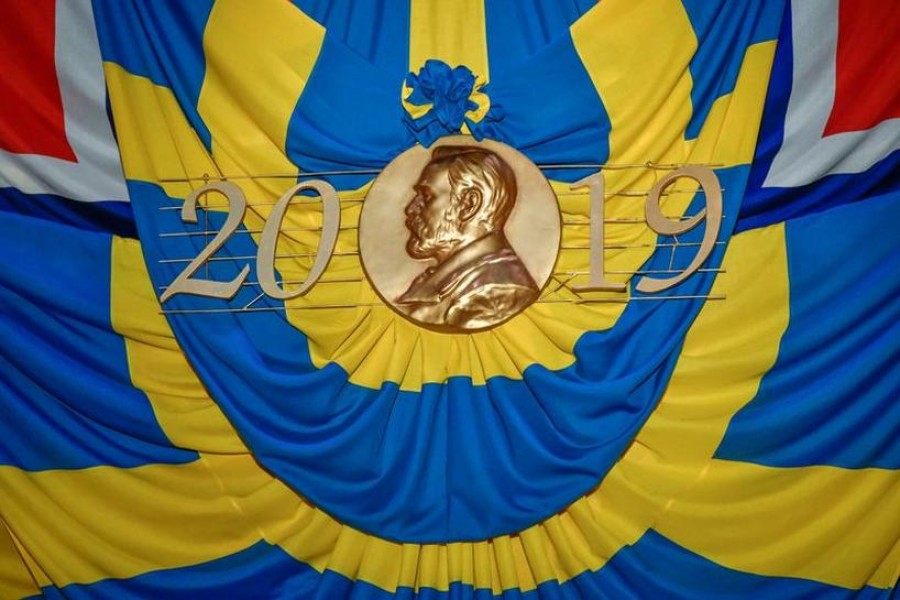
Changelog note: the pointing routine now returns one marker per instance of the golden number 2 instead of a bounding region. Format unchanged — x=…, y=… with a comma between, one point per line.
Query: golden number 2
x=185, y=283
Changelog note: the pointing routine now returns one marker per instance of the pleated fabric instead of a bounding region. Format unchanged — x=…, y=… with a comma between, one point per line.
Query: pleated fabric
x=737, y=440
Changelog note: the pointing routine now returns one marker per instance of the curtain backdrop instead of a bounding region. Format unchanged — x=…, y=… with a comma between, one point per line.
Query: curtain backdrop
x=735, y=436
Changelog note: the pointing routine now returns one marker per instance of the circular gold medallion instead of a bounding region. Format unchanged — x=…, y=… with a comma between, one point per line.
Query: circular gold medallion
x=461, y=236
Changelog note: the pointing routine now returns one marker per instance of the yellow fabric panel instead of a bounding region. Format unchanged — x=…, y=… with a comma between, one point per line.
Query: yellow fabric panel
x=279, y=514
x=461, y=561
x=16, y=581
x=729, y=134
x=545, y=565
x=155, y=140
x=85, y=525
x=432, y=571
x=258, y=60
x=723, y=358
x=646, y=92
x=889, y=569
x=381, y=560
x=574, y=550
x=40, y=577
x=157, y=366
x=646, y=89
x=719, y=370
x=459, y=39
x=822, y=523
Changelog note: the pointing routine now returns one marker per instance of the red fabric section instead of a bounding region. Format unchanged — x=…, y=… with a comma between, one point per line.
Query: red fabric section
x=31, y=110
x=867, y=86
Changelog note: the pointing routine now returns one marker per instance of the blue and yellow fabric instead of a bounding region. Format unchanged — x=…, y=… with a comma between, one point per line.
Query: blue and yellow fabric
x=326, y=448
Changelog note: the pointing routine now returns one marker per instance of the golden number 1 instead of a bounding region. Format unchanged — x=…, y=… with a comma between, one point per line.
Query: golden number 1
x=597, y=270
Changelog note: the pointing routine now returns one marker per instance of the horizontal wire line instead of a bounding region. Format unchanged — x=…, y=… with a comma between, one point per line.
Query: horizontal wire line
x=608, y=272
x=356, y=252
x=381, y=304
x=252, y=231
x=547, y=166
x=624, y=193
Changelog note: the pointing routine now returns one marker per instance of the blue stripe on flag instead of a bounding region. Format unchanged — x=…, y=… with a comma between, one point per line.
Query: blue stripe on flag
x=377, y=30
x=113, y=217
x=715, y=65
x=553, y=113
x=68, y=402
x=162, y=41
x=517, y=29
x=831, y=398
x=349, y=116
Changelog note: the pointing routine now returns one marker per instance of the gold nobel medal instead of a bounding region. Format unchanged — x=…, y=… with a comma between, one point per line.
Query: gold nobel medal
x=461, y=236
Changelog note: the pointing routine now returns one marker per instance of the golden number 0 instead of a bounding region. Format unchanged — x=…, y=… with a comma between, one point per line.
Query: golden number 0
x=265, y=255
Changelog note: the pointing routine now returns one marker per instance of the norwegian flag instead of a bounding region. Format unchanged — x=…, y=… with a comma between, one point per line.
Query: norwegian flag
x=831, y=128
x=57, y=149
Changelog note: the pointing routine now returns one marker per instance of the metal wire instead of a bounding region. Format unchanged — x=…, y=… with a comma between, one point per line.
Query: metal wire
x=543, y=167
x=166, y=261
x=714, y=297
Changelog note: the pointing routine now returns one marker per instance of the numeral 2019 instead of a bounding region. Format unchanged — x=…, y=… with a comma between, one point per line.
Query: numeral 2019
x=187, y=282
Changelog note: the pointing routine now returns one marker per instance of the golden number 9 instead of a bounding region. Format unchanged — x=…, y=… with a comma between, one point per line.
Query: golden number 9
x=658, y=222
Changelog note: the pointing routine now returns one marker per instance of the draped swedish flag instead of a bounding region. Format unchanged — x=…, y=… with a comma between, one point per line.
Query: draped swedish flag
x=324, y=447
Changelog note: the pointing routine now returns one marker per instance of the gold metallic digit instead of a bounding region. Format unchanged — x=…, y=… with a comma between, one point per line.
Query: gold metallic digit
x=184, y=283
x=331, y=224
x=597, y=270
x=658, y=222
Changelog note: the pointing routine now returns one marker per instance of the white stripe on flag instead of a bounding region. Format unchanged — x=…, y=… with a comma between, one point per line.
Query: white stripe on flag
x=97, y=174
x=805, y=155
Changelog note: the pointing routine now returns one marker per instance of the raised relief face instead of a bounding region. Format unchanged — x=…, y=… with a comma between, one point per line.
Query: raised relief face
x=432, y=216
x=455, y=219
x=459, y=237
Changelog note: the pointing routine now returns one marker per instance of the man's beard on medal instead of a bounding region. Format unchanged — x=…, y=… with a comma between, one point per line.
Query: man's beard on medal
x=434, y=243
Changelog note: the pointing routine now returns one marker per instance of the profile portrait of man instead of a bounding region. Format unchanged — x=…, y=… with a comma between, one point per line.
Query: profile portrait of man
x=463, y=198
